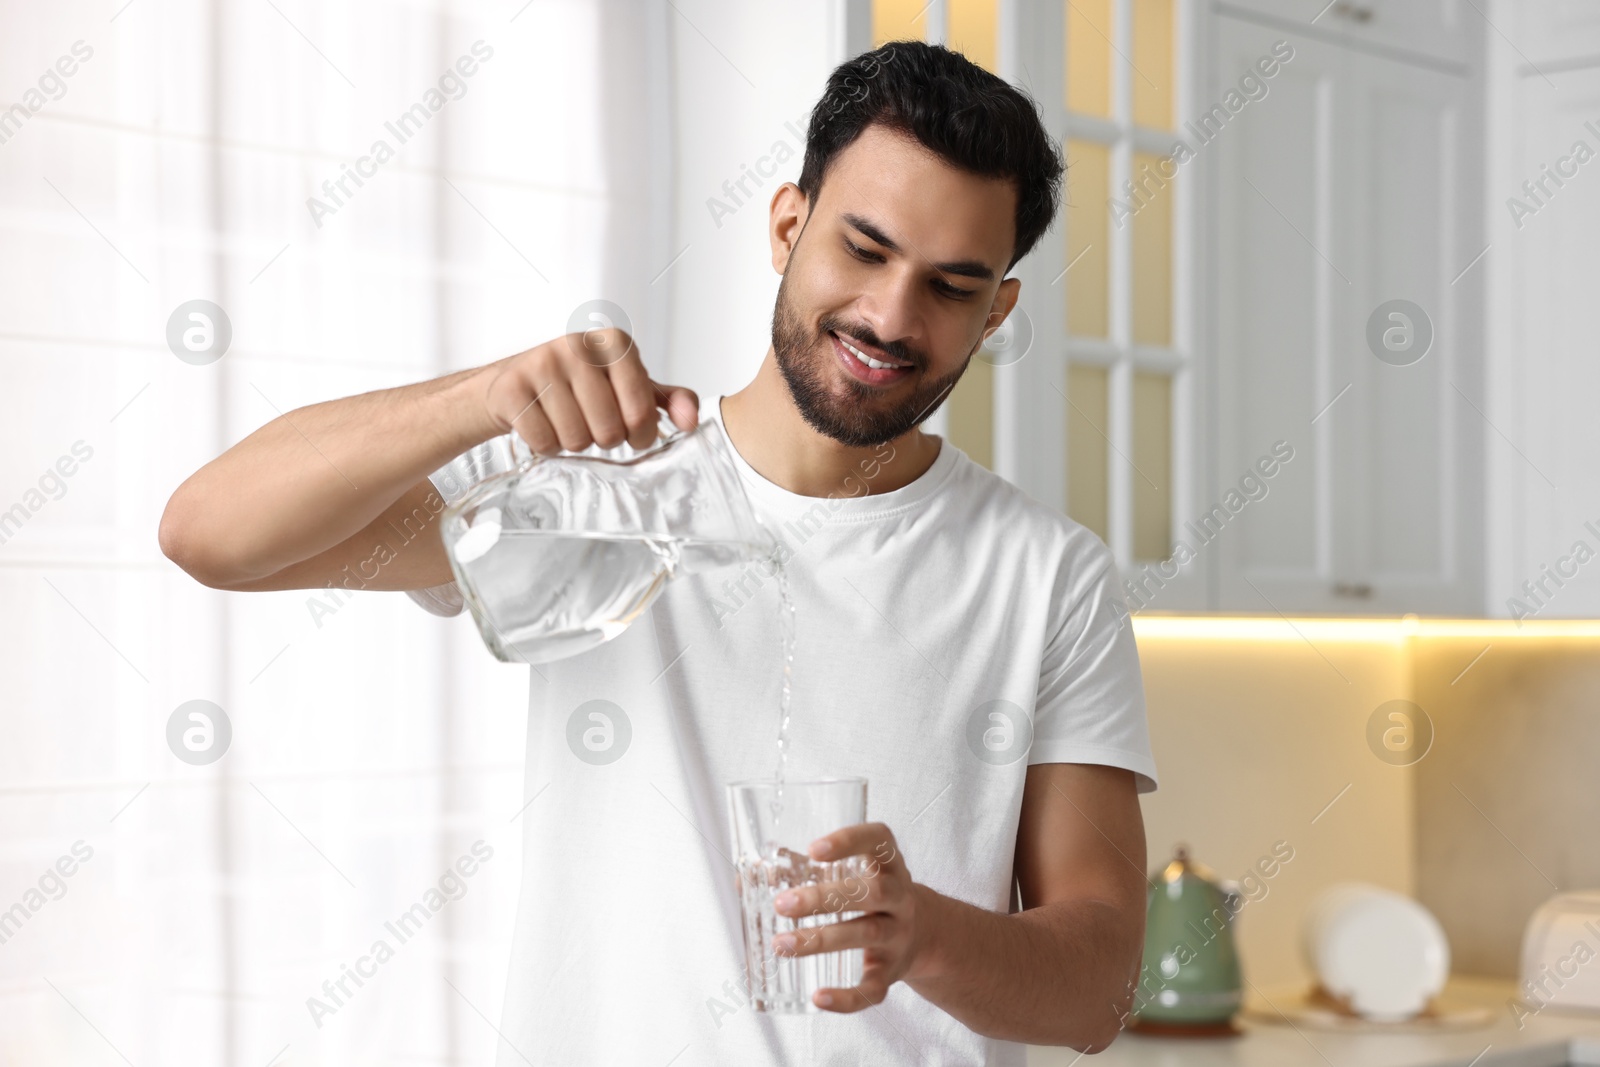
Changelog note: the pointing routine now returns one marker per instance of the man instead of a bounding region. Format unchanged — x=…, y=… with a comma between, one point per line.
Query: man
x=959, y=645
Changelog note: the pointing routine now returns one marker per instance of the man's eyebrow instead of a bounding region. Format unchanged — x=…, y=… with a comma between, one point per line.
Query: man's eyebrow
x=965, y=268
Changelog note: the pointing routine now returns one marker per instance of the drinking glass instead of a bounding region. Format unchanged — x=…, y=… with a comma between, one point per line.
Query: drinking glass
x=770, y=836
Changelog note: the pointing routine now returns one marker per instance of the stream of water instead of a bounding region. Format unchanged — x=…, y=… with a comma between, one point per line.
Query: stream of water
x=786, y=626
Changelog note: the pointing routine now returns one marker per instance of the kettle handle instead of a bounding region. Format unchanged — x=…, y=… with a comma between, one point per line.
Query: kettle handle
x=1232, y=897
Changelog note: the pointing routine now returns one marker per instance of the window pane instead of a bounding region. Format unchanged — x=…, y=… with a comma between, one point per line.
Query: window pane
x=974, y=27
x=1087, y=226
x=1089, y=57
x=1153, y=74
x=899, y=20
x=1151, y=203
x=971, y=412
x=1087, y=447
x=1152, y=460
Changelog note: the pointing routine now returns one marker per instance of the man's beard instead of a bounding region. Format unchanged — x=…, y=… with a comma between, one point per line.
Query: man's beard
x=856, y=420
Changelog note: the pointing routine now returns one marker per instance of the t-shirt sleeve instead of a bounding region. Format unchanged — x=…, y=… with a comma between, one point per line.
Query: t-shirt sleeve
x=1090, y=706
x=452, y=480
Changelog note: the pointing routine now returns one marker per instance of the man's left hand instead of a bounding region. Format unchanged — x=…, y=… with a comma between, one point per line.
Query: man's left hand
x=888, y=931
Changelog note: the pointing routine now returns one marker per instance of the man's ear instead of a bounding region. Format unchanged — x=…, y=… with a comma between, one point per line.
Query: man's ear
x=786, y=218
x=1005, y=298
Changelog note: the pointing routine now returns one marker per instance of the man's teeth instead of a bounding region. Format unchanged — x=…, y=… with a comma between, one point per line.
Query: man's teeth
x=868, y=360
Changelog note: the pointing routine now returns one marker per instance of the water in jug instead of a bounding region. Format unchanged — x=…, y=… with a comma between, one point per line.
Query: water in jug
x=563, y=552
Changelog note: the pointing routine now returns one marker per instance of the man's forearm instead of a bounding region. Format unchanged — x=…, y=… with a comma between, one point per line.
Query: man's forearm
x=1060, y=974
x=313, y=477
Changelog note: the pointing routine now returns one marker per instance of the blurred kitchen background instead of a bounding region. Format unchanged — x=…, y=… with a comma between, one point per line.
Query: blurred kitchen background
x=1367, y=271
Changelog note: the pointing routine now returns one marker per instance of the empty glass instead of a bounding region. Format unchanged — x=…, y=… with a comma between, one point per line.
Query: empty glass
x=769, y=844
x=565, y=551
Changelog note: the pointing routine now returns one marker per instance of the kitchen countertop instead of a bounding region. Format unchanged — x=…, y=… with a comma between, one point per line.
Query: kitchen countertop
x=1548, y=1039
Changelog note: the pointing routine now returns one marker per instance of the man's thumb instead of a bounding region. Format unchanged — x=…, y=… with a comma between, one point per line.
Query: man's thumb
x=681, y=404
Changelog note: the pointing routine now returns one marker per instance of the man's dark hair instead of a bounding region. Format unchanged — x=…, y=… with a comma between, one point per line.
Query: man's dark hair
x=968, y=117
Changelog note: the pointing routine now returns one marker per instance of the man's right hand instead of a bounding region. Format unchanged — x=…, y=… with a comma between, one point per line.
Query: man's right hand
x=582, y=389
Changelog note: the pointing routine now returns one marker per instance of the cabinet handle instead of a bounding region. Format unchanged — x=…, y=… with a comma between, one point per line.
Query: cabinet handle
x=1358, y=590
x=1353, y=12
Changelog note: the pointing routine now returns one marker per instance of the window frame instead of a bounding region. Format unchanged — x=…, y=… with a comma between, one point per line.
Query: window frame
x=1030, y=396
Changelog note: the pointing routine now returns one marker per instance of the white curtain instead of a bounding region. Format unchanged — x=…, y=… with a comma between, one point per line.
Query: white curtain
x=154, y=911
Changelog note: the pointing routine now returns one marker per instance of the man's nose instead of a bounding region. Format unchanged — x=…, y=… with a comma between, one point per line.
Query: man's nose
x=892, y=309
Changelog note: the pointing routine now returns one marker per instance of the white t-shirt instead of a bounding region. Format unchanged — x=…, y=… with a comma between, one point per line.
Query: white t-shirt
x=920, y=613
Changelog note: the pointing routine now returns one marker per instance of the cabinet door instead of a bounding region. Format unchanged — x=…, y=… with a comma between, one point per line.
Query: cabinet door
x=1416, y=431
x=1546, y=219
x=1339, y=191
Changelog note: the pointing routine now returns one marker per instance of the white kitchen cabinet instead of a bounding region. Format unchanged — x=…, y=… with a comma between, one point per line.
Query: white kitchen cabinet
x=1356, y=180
x=1544, y=212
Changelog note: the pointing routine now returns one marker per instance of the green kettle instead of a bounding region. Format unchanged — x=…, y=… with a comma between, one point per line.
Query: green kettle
x=1189, y=983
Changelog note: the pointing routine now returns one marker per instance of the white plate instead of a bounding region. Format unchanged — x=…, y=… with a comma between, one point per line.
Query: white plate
x=1381, y=951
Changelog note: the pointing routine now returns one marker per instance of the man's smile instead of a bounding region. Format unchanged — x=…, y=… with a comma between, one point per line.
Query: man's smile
x=866, y=363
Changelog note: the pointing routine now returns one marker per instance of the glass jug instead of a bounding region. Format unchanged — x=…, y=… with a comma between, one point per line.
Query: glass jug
x=563, y=552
